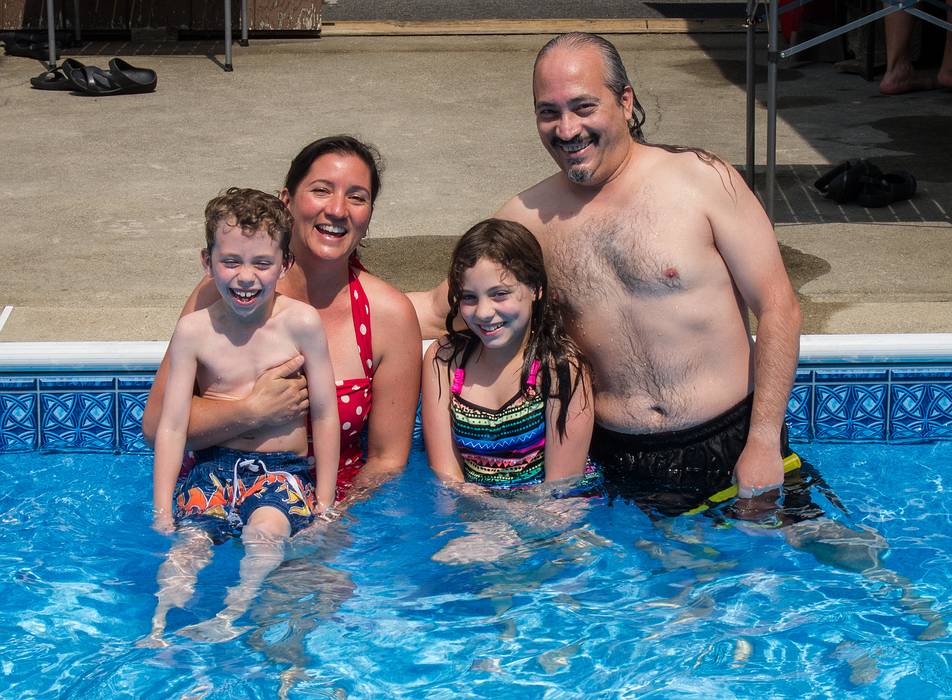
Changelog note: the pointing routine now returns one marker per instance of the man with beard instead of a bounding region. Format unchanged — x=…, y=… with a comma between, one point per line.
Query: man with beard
x=657, y=253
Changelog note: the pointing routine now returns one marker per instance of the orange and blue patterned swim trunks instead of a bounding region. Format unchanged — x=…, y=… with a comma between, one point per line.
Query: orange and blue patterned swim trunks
x=226, y=486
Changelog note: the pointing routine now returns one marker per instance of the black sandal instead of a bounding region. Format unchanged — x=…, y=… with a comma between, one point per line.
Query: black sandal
x=132, y=79
x=844, y=183
x=884, y=190
x=121, y=79
x=58, y=78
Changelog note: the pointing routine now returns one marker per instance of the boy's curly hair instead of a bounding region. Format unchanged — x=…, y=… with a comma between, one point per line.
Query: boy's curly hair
x=251, y=210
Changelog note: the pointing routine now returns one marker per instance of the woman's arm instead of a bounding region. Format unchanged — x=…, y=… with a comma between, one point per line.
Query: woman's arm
x=396, y=390
x=565, y=456
x=437, y=428
x=279, y=395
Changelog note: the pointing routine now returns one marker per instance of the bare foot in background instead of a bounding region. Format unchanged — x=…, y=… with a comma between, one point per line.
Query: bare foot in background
x=904, y=78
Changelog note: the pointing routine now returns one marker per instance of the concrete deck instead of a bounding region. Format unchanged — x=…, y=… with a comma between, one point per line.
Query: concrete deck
x=102, y=198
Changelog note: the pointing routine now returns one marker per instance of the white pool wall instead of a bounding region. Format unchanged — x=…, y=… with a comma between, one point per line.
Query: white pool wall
x=146, y=356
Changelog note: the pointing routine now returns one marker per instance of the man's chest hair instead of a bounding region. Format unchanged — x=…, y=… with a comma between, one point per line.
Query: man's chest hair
x=629, y=250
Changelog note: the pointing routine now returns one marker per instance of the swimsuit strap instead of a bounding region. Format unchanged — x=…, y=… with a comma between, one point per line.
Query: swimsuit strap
x=360, y=313
x=459, y=376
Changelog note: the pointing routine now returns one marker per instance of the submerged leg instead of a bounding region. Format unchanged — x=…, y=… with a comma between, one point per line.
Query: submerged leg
x=176, y=578
x=861, y=551
x=264, y=537
x=487, y=541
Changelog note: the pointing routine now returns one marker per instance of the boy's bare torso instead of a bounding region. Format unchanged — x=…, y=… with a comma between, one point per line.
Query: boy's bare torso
x=234, y=355
x=649, y=299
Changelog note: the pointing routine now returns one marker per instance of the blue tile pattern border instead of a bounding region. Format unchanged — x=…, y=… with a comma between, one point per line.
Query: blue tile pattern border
x=883, y=403
x=18, y=422
x=91, y=412
x=102, y=411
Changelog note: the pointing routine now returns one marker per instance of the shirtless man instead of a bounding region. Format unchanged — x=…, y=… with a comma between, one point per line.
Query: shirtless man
x=658, y=253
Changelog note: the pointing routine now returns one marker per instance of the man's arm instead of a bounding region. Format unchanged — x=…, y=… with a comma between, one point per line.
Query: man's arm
x=279, y=395
x=748, y=245
x=431, y=308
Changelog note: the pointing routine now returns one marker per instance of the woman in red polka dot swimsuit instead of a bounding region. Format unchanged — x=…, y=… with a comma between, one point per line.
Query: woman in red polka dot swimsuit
x=330, y=191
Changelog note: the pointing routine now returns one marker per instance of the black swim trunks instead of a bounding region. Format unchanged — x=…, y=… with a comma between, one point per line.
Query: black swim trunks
x=673, y=472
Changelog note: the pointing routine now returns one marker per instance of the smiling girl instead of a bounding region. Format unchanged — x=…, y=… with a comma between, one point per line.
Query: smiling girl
x=506, y=402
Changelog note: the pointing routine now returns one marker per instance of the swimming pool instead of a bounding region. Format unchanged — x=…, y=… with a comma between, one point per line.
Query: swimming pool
x=405, y=598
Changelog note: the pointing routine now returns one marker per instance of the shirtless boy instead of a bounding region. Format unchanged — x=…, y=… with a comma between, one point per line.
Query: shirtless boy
x=658, y=253
x=259, y=484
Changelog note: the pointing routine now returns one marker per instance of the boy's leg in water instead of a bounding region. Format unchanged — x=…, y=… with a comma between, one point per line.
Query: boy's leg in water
x=280, y=607
x=264, y=537
x=176, y=578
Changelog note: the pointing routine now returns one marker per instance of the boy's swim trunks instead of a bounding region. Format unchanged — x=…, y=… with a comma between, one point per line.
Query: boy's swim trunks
x=226, y=486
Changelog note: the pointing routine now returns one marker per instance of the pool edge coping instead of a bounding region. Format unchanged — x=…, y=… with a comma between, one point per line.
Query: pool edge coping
x=146, y=355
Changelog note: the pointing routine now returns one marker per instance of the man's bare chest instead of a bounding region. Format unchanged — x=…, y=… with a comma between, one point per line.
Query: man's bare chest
x=629, y=253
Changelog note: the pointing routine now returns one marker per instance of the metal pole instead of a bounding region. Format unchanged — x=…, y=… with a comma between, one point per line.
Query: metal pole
x=751, y=88
x=773, y=37
x=77, y=32
x=244, y=23
x=50, y=35
x=228, y=66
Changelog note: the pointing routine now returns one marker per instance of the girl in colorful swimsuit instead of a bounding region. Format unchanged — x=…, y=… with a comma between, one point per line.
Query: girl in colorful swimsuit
x=507, y=402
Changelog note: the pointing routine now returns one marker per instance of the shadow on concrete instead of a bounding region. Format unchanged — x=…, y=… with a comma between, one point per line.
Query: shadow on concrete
x=841, y=117
x=799, y=202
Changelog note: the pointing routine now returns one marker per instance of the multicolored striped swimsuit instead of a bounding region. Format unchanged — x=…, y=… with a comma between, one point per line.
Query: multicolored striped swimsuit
x=501, y=448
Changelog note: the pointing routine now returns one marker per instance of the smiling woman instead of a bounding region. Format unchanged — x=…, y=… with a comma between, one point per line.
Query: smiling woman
x=371, y=329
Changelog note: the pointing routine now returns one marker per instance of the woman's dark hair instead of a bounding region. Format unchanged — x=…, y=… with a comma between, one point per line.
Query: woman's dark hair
x=515, y=249
x=341, y=144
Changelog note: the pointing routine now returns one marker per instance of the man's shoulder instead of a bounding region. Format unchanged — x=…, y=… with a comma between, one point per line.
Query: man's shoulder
x=693, y=174
x=526, y=207
x=692, y=163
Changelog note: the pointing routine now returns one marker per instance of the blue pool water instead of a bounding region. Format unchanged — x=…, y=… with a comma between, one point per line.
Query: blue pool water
x=605, y=605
